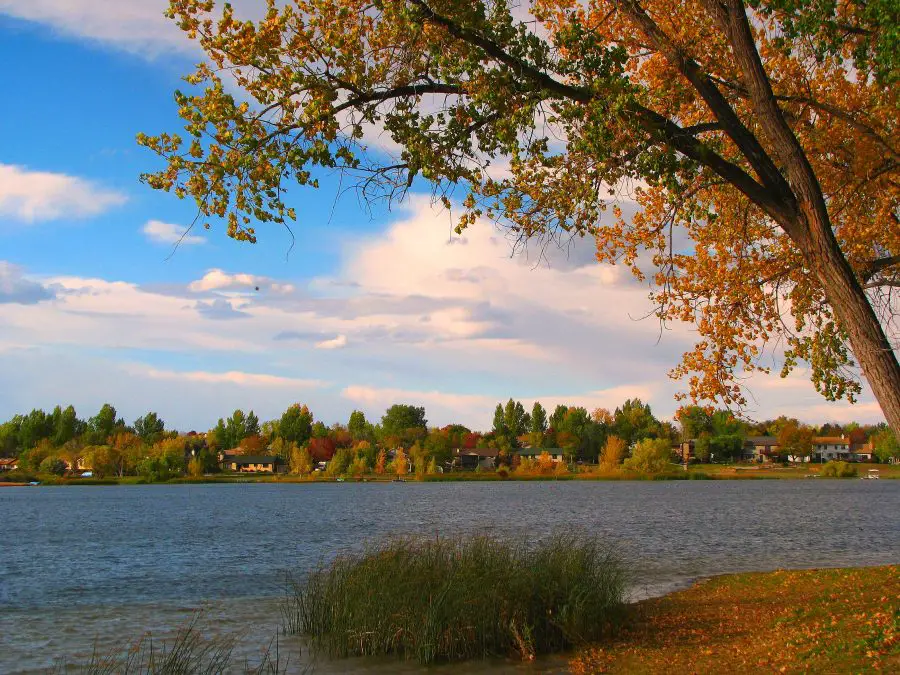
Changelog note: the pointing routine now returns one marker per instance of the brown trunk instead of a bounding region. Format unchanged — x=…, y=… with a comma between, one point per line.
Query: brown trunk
x=851, y=306
x=811, y=230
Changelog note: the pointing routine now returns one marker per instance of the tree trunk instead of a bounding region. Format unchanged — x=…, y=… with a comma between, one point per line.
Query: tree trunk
x=852, y=308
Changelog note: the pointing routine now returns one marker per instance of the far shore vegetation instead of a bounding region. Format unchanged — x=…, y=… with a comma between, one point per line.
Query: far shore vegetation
x=567, y=443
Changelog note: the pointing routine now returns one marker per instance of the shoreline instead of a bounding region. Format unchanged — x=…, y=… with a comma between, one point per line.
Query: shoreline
x=821, y=619
x=888, y=472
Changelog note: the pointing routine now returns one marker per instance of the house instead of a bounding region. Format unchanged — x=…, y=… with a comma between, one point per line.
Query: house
x=10, y=464
x=827, y=448
x=484, y=458
x=862, y=452
x=253, y=464
x=760, y=448
x=556, y=454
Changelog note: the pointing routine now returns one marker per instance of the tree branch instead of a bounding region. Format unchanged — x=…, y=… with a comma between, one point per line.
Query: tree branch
x=748, y=144
x=673, y=135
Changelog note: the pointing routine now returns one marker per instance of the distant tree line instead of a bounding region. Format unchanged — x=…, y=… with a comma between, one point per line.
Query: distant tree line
x=60, y=441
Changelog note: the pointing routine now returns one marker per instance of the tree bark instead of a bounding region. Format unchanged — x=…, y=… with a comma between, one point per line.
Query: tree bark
x=812, y=231
x=856, y=316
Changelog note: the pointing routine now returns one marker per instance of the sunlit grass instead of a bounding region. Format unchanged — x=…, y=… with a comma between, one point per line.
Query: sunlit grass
x=451, y=599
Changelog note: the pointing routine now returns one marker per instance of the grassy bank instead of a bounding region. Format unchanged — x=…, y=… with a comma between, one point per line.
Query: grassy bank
x=442, y=599
x=589, y=473
x=811, y=621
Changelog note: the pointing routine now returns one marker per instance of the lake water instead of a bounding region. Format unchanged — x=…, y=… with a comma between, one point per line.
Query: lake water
x=81, y=566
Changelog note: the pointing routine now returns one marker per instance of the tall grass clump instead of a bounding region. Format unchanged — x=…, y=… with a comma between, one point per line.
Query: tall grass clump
x=449, y=599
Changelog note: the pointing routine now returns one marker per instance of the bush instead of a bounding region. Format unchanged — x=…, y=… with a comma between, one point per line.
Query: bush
x=834, y=469
x=53, y=465
x=451, y=599
x=650, y=456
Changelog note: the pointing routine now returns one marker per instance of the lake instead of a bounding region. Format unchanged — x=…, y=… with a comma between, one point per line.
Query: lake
x=86, y=565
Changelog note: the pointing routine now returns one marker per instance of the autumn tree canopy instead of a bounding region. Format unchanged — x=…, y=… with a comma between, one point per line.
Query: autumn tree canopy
x=758, y=141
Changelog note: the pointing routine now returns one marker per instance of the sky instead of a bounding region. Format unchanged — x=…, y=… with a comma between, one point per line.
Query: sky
x=356, y=308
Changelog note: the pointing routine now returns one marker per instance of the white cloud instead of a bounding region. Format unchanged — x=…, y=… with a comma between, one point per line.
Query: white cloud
x=131, y=25
x=219, y=280
x=32, y=196
x=232, y=377
x=135, y=26
x=167, y=233
x=412, y=316
x=334, y=343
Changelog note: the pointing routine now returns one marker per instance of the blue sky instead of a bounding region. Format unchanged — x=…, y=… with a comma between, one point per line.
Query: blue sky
x=366, y=310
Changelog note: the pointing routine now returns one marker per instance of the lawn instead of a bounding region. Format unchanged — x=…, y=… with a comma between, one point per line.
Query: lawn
x=811, y=621
x=779, y=471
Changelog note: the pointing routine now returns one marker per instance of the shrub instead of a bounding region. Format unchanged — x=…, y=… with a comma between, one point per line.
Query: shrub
x=650, y=456
x=450, y=599
x=834, y=469
x=53, y=465
x=612, y=454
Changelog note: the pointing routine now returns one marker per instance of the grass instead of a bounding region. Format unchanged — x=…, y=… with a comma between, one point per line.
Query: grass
x=187, y=653
x=433, y=600
x=584, y=472
x=811, y=621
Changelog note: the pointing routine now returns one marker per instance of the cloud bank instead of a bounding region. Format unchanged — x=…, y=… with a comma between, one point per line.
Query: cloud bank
x=33, y=196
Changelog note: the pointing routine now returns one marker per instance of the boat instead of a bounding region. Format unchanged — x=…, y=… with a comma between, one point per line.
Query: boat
x=873, y=474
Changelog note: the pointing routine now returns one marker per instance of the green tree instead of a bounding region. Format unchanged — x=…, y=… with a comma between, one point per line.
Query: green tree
x=885, y=445
x=404, y=422
x=694, y=421
x=340, y=463
x=538, y=422
x=499, y=427
x=53, y=465
x=724, y=423
x=559, y=414
x=300, y=461
x=102, y=425
x=438, y=445
x=296, y=424
x=66, y=425
x=252, y=425
x=9, y=438
x=634, y=421
x=359, y=427
x=703, y=446
x=727, y=447
x=516, y=420
x=33, y=428
x=149, y=427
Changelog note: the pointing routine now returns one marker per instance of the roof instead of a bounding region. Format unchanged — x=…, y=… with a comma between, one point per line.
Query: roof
x=762, y=440
x=473, y=452
x=254, y=459
x=8, y=462
x=831, y=440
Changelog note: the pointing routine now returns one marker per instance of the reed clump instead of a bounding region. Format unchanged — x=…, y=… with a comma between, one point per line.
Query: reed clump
x=449, y=599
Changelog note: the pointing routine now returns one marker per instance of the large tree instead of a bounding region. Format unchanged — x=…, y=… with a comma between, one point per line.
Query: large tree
x=758, y=142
